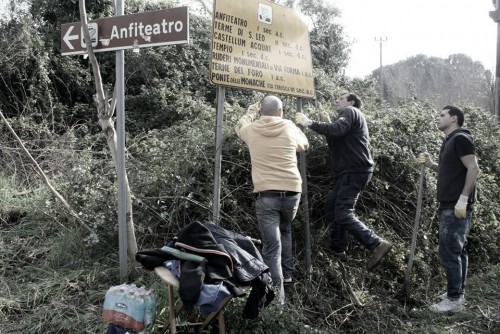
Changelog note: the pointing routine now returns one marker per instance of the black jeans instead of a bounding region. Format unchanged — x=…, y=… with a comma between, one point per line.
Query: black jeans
x=339, y=206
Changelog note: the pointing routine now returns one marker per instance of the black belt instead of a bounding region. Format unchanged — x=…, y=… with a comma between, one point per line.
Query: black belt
x=275, y=193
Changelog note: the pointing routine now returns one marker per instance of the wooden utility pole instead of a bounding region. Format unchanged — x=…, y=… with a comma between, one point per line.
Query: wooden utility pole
x=495, y=15
x=381, y=80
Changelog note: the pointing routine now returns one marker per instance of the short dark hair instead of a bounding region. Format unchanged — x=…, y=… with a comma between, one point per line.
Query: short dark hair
x=355, y=98
x=455, y=111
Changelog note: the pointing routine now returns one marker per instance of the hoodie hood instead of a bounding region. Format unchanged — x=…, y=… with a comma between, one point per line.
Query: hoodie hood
x=269, y=126
x=459, y=130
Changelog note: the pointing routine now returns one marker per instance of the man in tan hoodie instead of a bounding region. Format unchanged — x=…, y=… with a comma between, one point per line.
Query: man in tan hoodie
x=273, y=143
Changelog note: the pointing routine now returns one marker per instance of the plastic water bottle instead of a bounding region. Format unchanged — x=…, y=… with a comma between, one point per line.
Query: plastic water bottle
x=139, y=311
x=150, y=309
x=129, y=321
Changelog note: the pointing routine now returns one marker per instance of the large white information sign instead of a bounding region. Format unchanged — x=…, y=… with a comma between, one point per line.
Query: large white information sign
x=260, y=45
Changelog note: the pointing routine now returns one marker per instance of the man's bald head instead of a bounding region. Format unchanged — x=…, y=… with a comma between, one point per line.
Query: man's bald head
x=271, y=106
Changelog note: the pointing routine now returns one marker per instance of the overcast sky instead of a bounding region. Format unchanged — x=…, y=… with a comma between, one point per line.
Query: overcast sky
x=430, y=27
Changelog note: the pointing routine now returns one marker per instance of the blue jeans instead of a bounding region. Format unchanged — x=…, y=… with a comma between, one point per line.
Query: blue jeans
x=274, y=216
x=452, y=253
x=339, y=206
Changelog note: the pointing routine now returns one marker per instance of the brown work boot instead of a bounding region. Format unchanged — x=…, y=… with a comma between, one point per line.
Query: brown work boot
x=378, y=254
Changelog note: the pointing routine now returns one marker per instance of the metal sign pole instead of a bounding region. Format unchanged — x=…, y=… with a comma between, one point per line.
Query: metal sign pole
x=221, y=97
x=305, y=204
x=120, y=129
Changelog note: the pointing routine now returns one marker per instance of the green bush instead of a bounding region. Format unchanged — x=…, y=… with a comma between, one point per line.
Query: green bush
x=171, y=173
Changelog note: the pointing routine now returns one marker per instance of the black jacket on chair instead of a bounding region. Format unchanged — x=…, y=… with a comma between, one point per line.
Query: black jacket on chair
x=197, y=239
x=231, y=258
x=249, y=268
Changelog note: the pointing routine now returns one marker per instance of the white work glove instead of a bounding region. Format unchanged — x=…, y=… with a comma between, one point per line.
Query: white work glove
x=301, y=119
x=425, y=159
x=253, y=109
x=324, y=117
x=461, y=207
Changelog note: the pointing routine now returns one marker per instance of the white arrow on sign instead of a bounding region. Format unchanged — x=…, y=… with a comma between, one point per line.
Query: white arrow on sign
x=67, y=37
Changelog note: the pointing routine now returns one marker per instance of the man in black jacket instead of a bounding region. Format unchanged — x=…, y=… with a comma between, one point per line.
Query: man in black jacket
x=456, y=192
x=352, y=164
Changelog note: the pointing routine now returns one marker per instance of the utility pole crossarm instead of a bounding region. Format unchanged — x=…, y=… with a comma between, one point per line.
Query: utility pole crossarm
x=495, y=14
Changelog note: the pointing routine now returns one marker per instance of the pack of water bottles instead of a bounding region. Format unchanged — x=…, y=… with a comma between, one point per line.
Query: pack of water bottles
x=130, y=307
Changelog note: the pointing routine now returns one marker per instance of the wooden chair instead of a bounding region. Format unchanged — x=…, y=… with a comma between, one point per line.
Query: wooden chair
x=174, y=310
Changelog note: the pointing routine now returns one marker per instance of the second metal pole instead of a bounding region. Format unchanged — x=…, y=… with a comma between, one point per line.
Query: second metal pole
x=221, y=97
x=305, y=204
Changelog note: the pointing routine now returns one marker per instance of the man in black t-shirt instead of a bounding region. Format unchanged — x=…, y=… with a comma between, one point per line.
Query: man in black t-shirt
x=456, y=193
